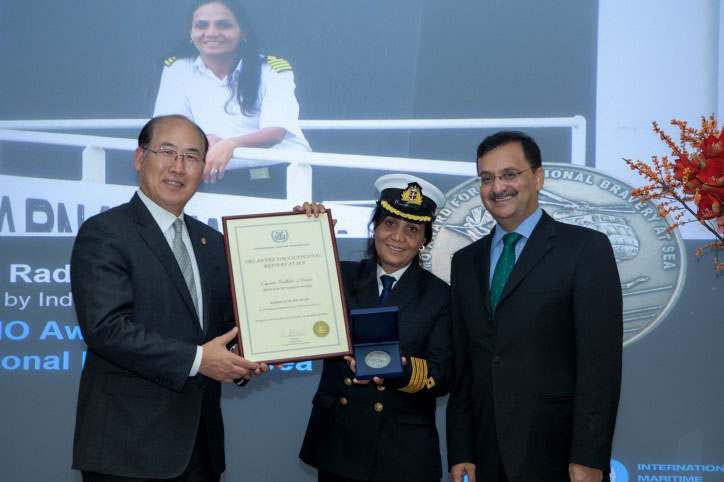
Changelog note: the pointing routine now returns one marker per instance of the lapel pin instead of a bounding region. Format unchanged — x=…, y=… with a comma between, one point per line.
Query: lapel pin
x=203, y=240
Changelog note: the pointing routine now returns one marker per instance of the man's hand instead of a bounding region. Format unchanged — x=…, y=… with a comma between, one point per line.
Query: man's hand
x=458, y=471
x=581, y=473
x=220, y=364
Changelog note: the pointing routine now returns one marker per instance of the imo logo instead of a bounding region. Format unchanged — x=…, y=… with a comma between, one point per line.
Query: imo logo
x=618, y=472
x=280, y=235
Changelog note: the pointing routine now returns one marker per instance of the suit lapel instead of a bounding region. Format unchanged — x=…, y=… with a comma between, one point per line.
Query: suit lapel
x=367, y=296
x=540, y=242
x=202, y=260
x=406, y=289
x=152, y=235
x=481, y=264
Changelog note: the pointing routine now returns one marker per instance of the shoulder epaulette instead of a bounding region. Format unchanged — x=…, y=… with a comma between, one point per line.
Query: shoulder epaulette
x=279, y=65
x=169, y=61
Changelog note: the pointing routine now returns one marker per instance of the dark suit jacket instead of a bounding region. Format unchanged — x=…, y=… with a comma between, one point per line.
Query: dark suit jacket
x=346, y=436
x=138, y=410
x=540, y=380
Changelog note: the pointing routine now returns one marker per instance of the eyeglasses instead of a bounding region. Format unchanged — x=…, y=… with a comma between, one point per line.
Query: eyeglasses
x=507, y=177
x=169, y=155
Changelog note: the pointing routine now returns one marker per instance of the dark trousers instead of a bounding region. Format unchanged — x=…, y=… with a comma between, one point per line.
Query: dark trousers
x=324, y=476
x=200, y=468
x=502, y=477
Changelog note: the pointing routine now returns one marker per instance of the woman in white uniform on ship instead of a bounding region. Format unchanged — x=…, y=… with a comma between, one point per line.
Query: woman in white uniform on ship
x=219, y=80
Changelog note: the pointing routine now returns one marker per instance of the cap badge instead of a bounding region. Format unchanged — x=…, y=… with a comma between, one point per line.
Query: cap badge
x=413, y=194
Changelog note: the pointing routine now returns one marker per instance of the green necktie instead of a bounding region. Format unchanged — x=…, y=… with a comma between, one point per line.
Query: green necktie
x=503, y=268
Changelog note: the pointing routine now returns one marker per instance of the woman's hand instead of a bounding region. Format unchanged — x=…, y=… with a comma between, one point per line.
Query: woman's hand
x=222, y=150
x=311, y=209
x=352, y=366
x=217, y=158
x=212, y=139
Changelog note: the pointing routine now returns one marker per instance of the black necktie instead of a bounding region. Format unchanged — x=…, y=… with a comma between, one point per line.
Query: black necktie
x=386, y=286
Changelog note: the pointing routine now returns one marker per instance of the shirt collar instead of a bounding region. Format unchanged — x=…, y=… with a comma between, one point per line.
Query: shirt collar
x=397, y=274
x=525, y=228
x=199, y=66
x=163, y=218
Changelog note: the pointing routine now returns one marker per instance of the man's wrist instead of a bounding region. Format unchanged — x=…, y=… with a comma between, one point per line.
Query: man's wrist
x=197, y=361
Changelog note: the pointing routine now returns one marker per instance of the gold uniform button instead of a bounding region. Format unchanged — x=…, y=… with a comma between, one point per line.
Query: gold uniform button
x=348, y=381
x=381, y=388
x=343, y=401
x=378, y=407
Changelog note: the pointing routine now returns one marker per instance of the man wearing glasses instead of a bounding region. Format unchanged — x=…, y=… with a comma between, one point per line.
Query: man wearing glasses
x=152, y=297
x=537, y=323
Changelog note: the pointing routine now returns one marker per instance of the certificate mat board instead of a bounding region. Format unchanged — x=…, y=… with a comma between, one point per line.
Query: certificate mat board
x=286, y=287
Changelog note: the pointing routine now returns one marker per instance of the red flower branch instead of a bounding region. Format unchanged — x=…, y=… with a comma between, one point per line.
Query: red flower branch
x=696, y=176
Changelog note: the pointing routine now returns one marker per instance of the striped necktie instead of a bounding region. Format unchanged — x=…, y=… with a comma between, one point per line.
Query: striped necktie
x=184, y=262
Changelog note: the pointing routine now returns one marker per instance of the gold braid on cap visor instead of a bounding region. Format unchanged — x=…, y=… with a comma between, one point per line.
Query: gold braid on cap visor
x=397, y=212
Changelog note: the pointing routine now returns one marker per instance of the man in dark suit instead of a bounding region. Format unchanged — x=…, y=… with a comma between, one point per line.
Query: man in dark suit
x=537, y=314
x=153, y=302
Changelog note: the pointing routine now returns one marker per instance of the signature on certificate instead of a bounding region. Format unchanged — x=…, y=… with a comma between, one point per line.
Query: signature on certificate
x=296, y=332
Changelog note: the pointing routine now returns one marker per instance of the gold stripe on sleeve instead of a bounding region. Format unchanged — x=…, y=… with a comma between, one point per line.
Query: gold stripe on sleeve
x=413, y=376
x=418, y=376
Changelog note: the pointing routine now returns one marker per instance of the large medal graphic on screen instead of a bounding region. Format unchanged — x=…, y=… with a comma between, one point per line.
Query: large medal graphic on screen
x=650, y=260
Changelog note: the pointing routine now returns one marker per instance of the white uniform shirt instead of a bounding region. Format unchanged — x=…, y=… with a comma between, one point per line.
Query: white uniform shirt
x=190, y=88
x=165, y=221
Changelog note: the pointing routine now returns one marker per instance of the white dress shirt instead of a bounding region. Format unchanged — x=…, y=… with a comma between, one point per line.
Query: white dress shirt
x=525, y=229
x=165, y=220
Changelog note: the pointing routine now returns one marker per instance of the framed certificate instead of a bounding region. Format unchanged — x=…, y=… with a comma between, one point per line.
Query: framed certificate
x=286, y=287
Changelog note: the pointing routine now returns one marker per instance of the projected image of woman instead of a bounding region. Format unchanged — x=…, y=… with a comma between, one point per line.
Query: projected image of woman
x=384, y=429
x=220, y=81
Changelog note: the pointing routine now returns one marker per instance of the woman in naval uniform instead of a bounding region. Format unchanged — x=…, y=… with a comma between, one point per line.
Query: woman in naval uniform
x=238, y=97
x=384, y=430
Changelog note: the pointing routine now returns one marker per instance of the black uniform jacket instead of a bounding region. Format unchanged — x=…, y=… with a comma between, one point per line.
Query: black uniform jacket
x=386, y=432
x=540, y=380
x=138, y=410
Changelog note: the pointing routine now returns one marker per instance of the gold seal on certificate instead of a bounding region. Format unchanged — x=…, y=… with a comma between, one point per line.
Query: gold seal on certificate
x=321, y=328
x=286, y=287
